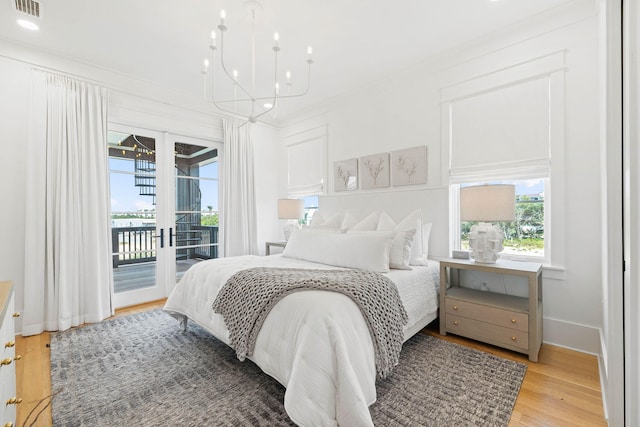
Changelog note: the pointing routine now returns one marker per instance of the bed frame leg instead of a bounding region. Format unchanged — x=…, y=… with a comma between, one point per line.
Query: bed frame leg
x=185, y=323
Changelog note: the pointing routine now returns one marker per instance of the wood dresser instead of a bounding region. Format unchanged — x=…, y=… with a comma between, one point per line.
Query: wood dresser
x=8, y=358
x=507, y=321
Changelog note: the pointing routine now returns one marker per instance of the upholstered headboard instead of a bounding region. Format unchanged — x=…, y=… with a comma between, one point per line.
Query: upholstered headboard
x=399, y=203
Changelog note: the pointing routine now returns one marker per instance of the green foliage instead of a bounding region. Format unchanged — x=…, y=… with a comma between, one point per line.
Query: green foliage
x=209, y=219
x=526, y=244
x=131, y=216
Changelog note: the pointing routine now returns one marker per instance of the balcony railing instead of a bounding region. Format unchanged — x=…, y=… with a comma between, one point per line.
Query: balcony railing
x=132, y=245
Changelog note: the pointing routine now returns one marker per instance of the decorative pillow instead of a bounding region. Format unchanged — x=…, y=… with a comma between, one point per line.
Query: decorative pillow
x=349, y=220
x=426, y=232
x=321, y=230
x=333, y=221
x=364, y=251
x=370, y=222
x=411, y=221
x=400, y=251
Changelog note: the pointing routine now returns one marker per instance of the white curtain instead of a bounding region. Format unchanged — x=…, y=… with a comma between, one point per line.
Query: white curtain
x=68, y=277
x=238, y=216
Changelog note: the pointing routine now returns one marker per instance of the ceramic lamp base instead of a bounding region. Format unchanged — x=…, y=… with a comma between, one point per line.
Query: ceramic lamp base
x=485, y=243
x=288, y=228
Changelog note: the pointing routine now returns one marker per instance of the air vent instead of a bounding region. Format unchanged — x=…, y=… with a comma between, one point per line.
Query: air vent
x=29, y=7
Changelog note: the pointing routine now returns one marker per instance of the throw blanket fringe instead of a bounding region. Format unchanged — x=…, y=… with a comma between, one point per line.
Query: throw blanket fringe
x=249, y=295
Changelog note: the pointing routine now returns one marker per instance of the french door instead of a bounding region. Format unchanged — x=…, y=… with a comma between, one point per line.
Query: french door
x=164, y=210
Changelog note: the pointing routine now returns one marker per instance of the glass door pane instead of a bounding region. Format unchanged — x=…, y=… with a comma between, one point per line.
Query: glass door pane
x=196, y=209
x=132, y=173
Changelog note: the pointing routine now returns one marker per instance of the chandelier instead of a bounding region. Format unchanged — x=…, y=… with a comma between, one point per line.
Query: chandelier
x=243, y=95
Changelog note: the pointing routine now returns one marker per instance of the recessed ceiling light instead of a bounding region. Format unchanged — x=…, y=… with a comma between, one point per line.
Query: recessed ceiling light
x=268, y=105
x=28, y=25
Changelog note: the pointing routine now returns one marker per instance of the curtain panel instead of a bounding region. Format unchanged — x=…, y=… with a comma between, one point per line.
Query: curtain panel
x=68, y=276
x=238, y=214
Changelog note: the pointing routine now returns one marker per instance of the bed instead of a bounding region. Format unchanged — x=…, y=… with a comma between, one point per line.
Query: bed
x=317, y=343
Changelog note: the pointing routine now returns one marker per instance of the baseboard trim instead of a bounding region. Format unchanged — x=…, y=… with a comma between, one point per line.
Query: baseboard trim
x=574, y=336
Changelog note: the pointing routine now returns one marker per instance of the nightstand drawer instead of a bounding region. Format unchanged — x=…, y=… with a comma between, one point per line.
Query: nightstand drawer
x=492, y=334
x=495, y=316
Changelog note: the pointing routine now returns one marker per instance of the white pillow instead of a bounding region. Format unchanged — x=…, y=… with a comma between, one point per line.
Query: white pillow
x=426, y=233
x=349, y=220
x=370, y=222
x=400, y=251
x=411, y=221
x=363, y=251
x=333, y=221
x=320, y=230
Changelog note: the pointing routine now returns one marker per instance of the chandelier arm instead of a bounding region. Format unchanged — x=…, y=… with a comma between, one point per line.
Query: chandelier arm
x=219, y=107
x=226, y=110
x=295, y=95
x=275, y=97
x=224, y=67
x=241, y=99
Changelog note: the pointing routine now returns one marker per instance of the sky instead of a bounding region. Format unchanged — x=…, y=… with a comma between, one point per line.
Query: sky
x=125, y=196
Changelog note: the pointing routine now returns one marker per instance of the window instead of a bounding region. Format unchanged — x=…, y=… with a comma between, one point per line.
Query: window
x=310, y=208
x=524, y=237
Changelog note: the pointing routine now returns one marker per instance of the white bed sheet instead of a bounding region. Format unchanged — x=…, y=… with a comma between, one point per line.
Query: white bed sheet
x=315, y=343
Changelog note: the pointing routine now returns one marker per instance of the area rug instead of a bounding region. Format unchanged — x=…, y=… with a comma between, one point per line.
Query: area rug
x=142, y=370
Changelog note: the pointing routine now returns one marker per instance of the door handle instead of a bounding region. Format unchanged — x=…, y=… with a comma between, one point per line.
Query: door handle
x=161, y=237
x=170, y=237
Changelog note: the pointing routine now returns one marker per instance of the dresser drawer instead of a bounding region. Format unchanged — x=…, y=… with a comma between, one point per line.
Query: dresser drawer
x=487, y=332
x=495, y=316
x=7, y=353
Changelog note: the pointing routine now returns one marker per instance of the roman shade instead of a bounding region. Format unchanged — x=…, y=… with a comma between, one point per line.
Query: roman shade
x=306, y=162
x=506, y=130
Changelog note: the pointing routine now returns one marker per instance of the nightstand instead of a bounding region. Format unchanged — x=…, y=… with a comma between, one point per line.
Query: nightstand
x=507, y=321
x=268, y=245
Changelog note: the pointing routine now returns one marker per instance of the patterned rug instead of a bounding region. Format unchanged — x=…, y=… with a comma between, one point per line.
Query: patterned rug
x=142, y=370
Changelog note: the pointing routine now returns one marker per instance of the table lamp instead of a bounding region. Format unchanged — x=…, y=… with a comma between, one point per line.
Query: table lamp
x=290, y=209
x=487, y=204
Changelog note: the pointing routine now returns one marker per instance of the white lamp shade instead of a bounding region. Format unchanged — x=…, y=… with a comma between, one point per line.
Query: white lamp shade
x=290, y=208
x=488, y=203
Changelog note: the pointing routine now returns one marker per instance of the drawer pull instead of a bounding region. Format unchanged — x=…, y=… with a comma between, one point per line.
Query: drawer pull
x=455, y=307
x=17, y=314
x=514, y=321
x=455, y=322
x=17, y=357
x=14, y=401
x=514, y=339
x=10, y=344
x=9, y=424
x=6, y=361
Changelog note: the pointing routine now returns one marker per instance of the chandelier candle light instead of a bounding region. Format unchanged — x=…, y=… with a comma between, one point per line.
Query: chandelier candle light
x=487, y=203
x=248, y=95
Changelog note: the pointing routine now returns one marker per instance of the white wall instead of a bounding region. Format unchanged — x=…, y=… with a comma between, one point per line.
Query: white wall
x=269, y=185
x=14, y=88
x=404, y=110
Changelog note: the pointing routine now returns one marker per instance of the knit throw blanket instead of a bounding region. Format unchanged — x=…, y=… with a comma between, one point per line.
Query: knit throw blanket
x=249, y=295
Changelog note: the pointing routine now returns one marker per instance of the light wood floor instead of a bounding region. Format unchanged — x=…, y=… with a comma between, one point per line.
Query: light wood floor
x=562, y=389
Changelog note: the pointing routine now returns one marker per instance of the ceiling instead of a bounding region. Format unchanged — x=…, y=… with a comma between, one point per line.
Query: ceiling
x=164, y=42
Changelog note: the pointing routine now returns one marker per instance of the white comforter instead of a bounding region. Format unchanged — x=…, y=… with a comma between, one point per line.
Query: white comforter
x=315, y=343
